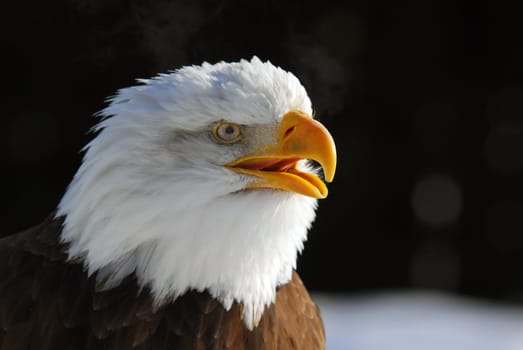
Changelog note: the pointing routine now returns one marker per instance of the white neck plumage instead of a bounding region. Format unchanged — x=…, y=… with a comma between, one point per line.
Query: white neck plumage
x=239, y=247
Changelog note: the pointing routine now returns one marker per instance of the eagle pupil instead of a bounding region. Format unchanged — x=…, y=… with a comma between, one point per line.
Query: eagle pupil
x=229, y=130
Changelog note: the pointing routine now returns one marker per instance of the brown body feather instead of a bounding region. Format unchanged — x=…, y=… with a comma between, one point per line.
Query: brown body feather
x=46, y=303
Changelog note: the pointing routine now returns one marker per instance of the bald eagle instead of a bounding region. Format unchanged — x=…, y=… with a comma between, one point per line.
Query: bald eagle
x=181, y=228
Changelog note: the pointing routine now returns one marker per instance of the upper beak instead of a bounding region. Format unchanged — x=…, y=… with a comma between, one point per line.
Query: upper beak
x=274, y=166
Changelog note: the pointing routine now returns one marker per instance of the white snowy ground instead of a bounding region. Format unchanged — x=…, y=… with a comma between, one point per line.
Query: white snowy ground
x=419, y=321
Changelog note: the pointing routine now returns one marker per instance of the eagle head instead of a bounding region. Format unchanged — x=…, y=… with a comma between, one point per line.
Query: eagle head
x=199, y=179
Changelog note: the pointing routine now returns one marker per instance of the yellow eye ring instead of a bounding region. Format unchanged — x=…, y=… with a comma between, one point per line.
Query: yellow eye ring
x=225, y=132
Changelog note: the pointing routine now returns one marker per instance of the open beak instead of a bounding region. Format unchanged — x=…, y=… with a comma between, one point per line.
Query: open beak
x=275, y=166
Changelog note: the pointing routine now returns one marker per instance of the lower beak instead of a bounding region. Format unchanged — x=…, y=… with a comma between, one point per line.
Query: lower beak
x=275, y=166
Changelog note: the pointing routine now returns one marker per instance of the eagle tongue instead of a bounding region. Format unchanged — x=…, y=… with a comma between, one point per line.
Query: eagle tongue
x=282, y=165
x=269, y=164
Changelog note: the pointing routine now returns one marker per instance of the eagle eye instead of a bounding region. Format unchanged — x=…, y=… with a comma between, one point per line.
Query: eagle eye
x=225, y=132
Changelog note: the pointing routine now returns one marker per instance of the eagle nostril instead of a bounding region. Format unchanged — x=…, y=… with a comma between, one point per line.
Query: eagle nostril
x=288, y=132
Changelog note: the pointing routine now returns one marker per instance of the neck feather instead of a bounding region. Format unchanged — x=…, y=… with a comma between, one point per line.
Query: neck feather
x=239, y=247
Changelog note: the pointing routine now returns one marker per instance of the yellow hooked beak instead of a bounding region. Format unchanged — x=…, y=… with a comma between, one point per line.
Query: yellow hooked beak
x=299, y=137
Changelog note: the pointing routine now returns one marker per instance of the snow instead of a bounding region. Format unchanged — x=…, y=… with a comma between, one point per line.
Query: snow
x=419, y=321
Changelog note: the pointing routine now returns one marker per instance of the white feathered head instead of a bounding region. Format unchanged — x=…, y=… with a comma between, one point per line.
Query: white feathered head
x=198, y=179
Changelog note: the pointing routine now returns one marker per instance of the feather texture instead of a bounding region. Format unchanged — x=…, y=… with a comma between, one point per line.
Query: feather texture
x=153, y=196
x=48, y=303
x=157, y=242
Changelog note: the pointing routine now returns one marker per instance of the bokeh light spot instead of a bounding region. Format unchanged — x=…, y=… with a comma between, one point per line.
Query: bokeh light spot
x=437, y=200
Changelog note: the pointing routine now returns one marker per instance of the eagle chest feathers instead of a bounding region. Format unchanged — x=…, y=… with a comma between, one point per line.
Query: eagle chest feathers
x=182, y=226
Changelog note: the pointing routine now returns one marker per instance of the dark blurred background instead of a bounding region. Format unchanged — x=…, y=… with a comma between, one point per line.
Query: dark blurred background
x=424, y=99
